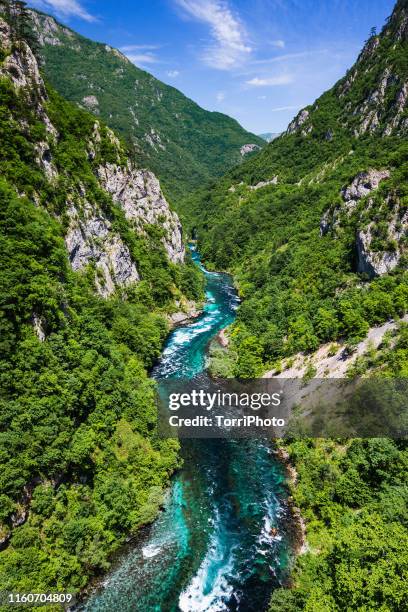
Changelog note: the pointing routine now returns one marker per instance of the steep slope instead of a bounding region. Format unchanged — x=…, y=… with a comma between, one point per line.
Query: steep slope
x=171, y=135
x=314, y=227
x=91, y=261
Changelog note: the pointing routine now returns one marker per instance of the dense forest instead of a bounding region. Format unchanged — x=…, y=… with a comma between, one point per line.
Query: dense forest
x=307, y=227
x=82, y=466
x=185, y=145
x=287, y=222
x=353, y=496
x=314, y=230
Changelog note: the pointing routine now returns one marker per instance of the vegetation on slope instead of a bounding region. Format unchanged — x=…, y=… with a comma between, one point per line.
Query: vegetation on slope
x=183, y=144
x=302, y=287
x=353, y=495
x=82, y=465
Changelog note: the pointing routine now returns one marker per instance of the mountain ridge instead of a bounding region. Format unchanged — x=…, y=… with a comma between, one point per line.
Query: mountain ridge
x=91, y=267
x=183, y=144
x=326, y=199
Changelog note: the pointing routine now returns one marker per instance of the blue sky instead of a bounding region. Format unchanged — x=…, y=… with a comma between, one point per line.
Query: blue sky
x=259, y=61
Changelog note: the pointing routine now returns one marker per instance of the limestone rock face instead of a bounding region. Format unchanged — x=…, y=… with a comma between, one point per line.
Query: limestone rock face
x=402, y=26
x=138, y=192
x=91, y=103
x=39, y=326
x=383, y=109
x=46, y=29
x=372, y=263
x=90, y=240
x=248, y=148
x=362, y=185
x=22, y=68
x=325, y=223
x=4, y=34
x=272, y=181
x=374, y=106
x=300, y=119
x=44, y=160
x=377, y=262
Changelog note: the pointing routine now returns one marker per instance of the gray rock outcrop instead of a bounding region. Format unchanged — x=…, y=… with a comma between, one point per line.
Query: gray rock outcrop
x=138, y=192
x=326, y=223
x=90, y=240
x=91, y=103
x=22, y=68
x=361, y=186
x=272, y=181
x=46, y=29
x=248, y=148
x=377, y=262
x=301, y=118
x=39, y=326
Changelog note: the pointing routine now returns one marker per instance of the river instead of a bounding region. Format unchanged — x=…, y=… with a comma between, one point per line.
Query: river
x=213, y=547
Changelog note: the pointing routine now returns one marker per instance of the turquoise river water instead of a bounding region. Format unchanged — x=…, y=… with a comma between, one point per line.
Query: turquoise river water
x=213, y=547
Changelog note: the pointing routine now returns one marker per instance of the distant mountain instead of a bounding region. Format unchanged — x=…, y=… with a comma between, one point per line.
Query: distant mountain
x=179, y=141
x=269, y=136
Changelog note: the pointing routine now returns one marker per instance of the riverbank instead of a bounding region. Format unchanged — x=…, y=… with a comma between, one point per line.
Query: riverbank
x=187, y=314
x=225, y=537
x=299, y=522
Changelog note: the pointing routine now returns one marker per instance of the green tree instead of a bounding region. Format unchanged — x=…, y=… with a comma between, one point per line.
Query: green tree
x=249, y=363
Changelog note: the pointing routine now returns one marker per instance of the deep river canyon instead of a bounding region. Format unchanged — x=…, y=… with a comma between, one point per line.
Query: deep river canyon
x=213, y=547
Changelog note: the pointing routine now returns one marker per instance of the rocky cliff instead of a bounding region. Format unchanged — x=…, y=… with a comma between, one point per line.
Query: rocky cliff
x=138, y=193
x=183, y=144
x=90, y=236
x=315, y=225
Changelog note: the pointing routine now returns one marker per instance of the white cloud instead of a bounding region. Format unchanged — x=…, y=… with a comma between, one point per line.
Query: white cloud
x=283, y=79
x=127, y=48
x=289, y=57
x=64, y=8
x=146, y=56
x=220, y=96
x=228, y=48
x=172, y=73
x=279, y=109
x=261, y=97
x=278, y=43
x=142, y=58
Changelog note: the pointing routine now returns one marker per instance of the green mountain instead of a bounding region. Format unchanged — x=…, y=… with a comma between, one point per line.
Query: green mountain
x=315, y=230
x=179, y=141
x=269, y=136
x=314, y=227
x=91, y=266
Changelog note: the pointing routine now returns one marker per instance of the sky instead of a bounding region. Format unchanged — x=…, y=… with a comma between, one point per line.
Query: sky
x=259, y=61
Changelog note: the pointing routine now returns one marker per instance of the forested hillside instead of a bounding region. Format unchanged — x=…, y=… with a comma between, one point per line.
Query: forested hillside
x=182, y=143
x=91, y=261
x=314, y=229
